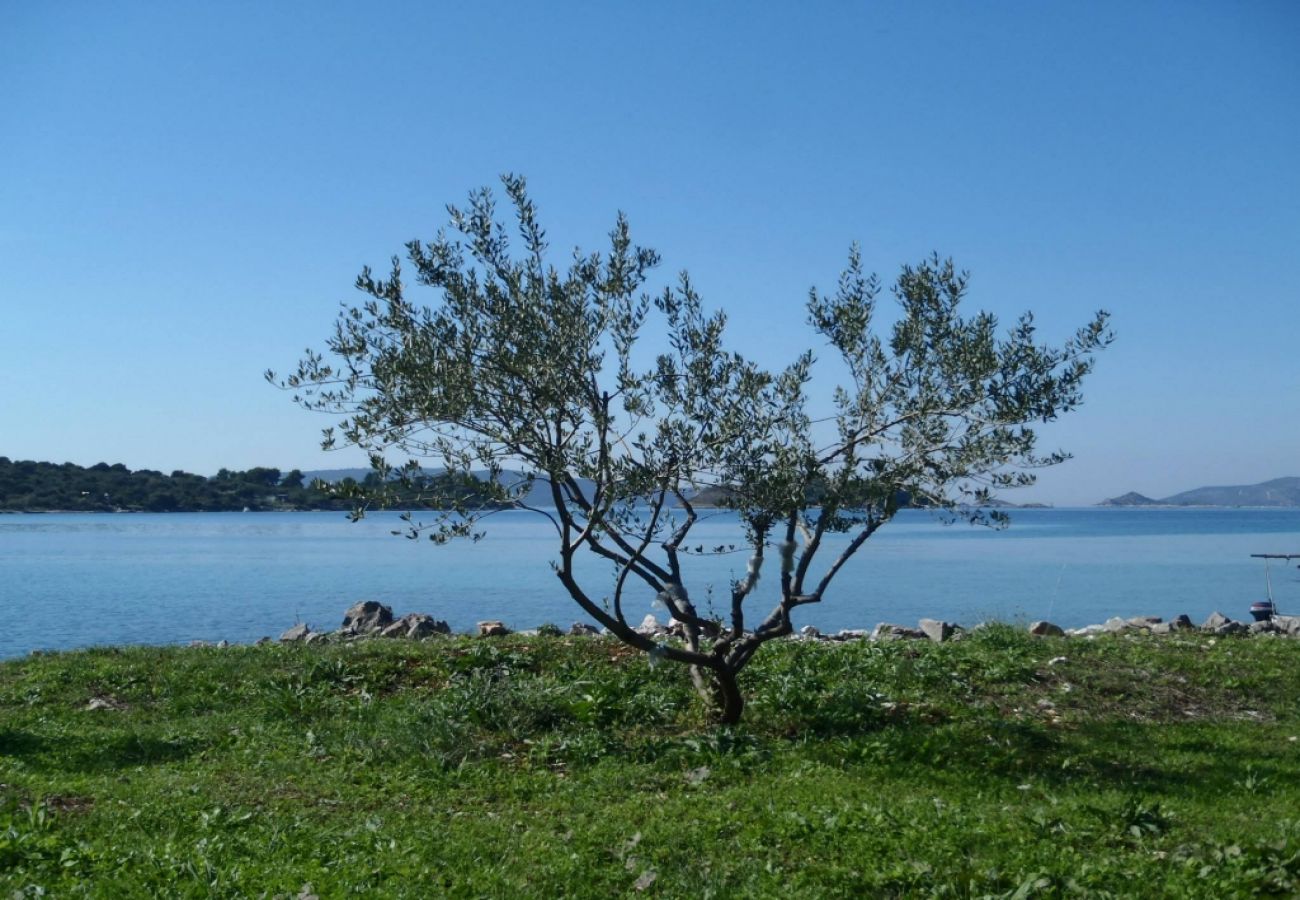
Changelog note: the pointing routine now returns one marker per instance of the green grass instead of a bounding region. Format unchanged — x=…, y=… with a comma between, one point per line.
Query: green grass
x=549, y=766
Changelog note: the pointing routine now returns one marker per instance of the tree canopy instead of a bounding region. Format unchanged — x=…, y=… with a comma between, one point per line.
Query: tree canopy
x=525, y=365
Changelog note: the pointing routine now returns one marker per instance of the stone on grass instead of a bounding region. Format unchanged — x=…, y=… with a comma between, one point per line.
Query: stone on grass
x=424, y=626
x=1231, y=627
x=492, y=628
x=936, y=630
x=810, y=632
x=1288, y=624
x=1043, y=628
x=316, y=637
x=298, y=632
x=886, y=631
x=1183, y=623
x=366, y=616
x=649, y=626
x=105, y=703
x=1215, y=621
x=415, y=626
x=396, y=630
x=582, y=629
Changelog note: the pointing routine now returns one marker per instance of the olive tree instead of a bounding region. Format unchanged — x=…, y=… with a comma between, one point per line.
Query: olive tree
x=524, y=366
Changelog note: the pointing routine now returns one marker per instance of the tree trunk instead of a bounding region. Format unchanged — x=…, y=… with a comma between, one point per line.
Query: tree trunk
x=731, y=703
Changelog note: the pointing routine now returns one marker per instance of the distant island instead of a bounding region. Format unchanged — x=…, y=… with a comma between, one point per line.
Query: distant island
x=28, y=486
x=1279, y=492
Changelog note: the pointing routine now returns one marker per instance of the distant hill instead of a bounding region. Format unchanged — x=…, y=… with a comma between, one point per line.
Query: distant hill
x=1279, y=492
x=1132, y=498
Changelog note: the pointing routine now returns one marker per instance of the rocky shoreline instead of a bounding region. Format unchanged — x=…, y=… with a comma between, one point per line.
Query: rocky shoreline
x=370, y=619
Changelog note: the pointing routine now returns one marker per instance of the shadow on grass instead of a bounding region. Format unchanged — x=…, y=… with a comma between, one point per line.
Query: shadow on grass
x=92, y=755
x=20, y=744
x=1154, y=758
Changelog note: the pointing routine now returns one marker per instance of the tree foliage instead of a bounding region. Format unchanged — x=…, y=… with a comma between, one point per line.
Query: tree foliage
x=523, y=365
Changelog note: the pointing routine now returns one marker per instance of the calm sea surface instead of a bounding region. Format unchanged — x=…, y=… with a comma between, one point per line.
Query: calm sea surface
x=73, y=580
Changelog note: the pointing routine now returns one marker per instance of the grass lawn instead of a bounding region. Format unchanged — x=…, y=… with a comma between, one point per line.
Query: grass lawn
x=998, y=765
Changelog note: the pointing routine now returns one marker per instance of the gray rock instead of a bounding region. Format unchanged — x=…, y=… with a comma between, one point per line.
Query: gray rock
x=425, y=626
x=298, y=632
x=1162, y=628
x=1117, y=625
x=366, y=617
x=1046, y=629
x=415, y=626
x=316, y=637
x=850, y=634
x=1215, y=621
x=1183, y=623
x=936, y=630
x=886, y=631
x=1231, y=627
x=1288, y=624
x=492, y=628
x=582, y=629
x=200, y=644
x=810, y=632
x=396, y=630
x=1265, y=627
x=1145, y=621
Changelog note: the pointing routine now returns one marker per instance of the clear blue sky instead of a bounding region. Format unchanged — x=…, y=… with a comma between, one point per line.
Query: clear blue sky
x=188, y=190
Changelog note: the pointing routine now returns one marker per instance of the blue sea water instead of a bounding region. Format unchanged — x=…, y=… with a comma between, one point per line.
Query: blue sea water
x=73, y=580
